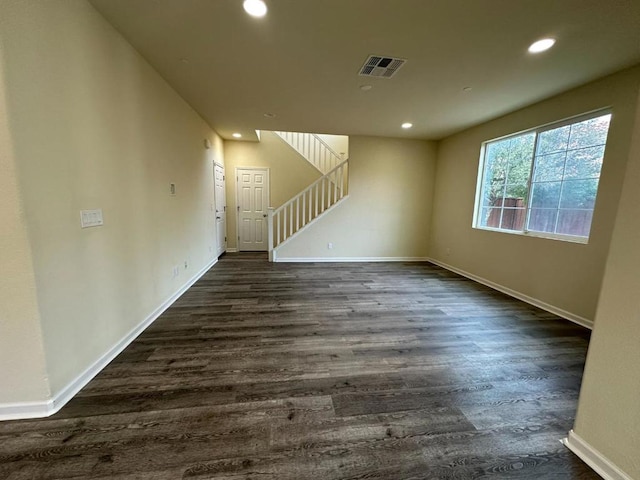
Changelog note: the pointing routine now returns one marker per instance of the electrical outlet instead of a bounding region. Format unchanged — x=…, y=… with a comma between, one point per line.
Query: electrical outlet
x=186, y=264
x=330, y=245
x=175, y=271
x=447, y=251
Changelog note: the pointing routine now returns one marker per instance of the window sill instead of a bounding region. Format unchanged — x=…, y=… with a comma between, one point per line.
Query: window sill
x=544, y=235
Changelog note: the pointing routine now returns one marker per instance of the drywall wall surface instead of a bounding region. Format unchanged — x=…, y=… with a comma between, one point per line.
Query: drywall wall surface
x=338, y=143
x=289, y=173
x=564, y=275
x=388, y=211
x=217, y=146
x=95, y=127
x=22, y=362
x=608, y=415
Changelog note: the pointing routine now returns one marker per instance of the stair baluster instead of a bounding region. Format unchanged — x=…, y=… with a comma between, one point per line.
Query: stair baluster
x=293, y=216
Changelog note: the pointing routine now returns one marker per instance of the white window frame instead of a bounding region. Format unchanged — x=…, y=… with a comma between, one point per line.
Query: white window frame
x=537, y=130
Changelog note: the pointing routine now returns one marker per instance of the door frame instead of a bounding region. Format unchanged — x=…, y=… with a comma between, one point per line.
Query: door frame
x=267, y=171
x=224, y=194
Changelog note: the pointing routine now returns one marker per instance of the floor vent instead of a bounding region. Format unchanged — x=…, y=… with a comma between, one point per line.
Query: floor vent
x=379, y=66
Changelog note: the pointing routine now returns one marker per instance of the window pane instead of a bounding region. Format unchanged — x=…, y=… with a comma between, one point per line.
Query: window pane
x=490, y=217
x=542, y=219
x=552, y=141
x=513, y=218
x=520, y=157
x=546, y=195
x=492, y=195
x=560, y=196
x=574, y=222
x=495, y=172
x=510, y=158
x=515, y=195
x=584, y=163
x=549, y=167
x=579, y=193
x=590, y=132
x=496, y=160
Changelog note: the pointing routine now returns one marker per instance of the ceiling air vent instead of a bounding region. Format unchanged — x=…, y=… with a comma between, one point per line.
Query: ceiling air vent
x=379, y=66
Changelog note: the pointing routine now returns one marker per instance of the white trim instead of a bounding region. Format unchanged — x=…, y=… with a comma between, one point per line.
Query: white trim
x=231, y=250
x=14, y=411
x=349, y=259
x=320, y=215
x=536, y=131
x=531, y=233
x=24, y=410
x=584, y=322
x=309, y=154
x=220, y=249
x=592, y=457
x=268, y=184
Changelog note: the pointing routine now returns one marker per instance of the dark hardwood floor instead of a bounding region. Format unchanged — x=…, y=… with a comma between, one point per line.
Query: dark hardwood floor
x=323, y=371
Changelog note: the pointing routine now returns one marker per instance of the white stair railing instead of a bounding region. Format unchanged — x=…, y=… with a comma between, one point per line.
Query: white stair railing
x=314, y=149
x=294, y=215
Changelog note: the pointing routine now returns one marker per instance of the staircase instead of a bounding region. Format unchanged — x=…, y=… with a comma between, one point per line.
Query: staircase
x=313, y=149
x=317, y=199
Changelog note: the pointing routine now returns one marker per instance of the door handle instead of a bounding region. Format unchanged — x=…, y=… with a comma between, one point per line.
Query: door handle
x=217, y=218
x=264, y=215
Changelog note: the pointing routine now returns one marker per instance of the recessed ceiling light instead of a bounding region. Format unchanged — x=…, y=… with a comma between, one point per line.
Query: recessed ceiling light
x=407, y=125
x=270, y=115
x=366, y=88
x=255, y=8
x=542, y=45
x=237, y=135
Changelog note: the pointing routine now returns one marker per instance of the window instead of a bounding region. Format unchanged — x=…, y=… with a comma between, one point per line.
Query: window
x=543, y=182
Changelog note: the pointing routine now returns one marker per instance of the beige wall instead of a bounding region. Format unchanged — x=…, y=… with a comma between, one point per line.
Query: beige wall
x=338, y=143
x=289, y=173
x=22, y=365
x=608, y=413
x=564, y=275
x=388, y=211
x=94, y=126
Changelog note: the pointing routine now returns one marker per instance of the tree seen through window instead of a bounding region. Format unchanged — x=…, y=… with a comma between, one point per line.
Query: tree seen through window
x=544, y=180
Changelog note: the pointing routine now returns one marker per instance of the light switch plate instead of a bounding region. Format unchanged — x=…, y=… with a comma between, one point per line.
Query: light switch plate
x=91, y=218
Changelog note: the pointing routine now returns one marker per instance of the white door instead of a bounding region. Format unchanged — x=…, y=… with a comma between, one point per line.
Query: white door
x=253, y=200
x=221, y=209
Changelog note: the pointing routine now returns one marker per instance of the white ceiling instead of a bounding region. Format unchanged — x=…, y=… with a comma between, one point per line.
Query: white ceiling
x=301, y=61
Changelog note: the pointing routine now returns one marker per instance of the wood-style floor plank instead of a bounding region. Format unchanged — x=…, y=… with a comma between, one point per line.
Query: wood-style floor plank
x=323, y=371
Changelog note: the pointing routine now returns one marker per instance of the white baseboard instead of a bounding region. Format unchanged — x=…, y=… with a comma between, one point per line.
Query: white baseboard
x=24, y=410
x=592, y=457
x=232, y=250
x=520, y=296
x=348, y=259
x=14, y=411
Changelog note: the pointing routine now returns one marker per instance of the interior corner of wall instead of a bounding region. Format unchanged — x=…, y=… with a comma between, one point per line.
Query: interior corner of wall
x=23, y=344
